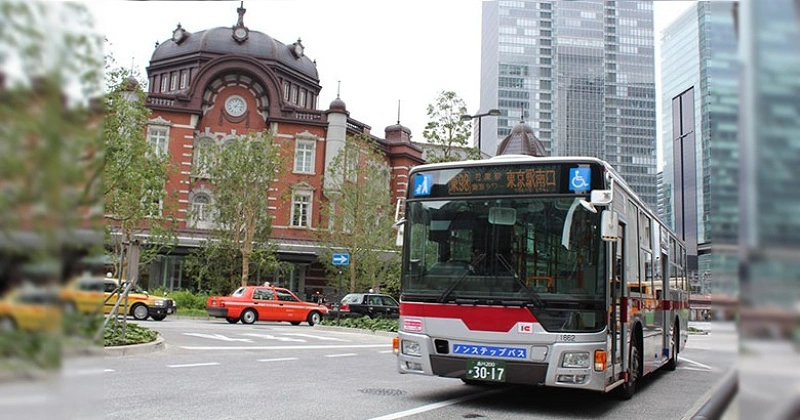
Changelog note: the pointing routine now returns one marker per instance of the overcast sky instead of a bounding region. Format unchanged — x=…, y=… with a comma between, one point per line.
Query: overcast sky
x=382, y=51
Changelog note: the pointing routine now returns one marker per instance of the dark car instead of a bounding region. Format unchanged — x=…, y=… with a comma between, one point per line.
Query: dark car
x=373, y=305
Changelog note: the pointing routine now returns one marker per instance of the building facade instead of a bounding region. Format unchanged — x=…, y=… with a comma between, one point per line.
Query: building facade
x=700, y=81
x=211, y=85
x=581, y=74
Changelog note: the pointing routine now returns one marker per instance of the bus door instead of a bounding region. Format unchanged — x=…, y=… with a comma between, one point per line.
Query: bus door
x=618, y=312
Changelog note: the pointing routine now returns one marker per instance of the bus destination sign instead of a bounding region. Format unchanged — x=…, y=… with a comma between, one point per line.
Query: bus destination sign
x=508, y=179
x=495, y=180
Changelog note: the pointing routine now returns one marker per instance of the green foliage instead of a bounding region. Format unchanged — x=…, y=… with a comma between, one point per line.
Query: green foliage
x=361, y=213
x=135, y=171
x=447, y=130
x=242, y=171
x=134, y=334
x=364, y=323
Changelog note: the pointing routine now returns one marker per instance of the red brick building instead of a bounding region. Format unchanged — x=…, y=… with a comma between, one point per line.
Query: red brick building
x=207, y=86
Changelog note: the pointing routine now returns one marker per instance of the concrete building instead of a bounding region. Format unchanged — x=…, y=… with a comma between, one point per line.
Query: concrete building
x=209, y=85
x=700, y=102
x=581, y=74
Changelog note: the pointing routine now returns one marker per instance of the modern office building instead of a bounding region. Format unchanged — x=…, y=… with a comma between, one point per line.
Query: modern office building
x=770, y=155
x=581, y=74
x=700, y=80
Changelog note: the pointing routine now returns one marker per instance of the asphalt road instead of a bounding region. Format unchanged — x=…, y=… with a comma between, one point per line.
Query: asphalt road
x=212, y=370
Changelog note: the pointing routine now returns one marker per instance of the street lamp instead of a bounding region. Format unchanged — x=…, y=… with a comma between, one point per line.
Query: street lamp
x=467, y=117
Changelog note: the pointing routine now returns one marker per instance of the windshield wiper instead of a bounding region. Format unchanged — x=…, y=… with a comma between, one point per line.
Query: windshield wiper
x=537, y=301
x=458, y=281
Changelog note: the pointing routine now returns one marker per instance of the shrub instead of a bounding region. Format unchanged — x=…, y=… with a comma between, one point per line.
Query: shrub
x=366, y=323
x=134, y=334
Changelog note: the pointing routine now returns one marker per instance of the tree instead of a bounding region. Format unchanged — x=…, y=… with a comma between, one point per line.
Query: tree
x=360, y=215
x=242, y=172
x=447, y=130
x=134, y=173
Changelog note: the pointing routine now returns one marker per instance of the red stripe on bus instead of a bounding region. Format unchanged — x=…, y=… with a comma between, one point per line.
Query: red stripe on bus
x=476, y=318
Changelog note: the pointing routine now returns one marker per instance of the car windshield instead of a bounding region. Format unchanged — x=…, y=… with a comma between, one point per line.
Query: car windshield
x=542, y=252
x=352, y=298
x=238, y=292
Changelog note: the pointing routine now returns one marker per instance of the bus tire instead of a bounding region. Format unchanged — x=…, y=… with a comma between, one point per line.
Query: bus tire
x=675, y=344
x=628, y=389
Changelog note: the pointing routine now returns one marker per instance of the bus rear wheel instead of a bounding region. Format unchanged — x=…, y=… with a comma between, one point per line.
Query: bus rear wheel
x=672, y=364
x=626, y=390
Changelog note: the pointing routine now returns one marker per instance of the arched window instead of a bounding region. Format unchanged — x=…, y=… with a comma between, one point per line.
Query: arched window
x=201, y=212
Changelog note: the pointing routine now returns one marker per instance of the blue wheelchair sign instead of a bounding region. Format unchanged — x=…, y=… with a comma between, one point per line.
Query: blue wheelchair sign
x=422, y=185
x=580, y=179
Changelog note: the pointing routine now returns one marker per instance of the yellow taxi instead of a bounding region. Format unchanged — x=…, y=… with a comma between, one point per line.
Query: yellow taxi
x=30, y=309
x=88, y=294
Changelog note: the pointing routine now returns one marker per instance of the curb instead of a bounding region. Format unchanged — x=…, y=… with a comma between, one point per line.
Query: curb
x=151, y=347
x=716, y=400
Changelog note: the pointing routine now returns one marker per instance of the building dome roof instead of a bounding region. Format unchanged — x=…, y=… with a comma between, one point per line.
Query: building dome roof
x=521, y=141
x=220, y=41
x=337, y=105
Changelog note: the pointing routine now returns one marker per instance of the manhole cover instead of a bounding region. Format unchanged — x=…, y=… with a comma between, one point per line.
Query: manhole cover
x=383, y=391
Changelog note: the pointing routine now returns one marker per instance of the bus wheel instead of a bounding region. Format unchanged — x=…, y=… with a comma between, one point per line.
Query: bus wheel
x=626, y=390
x=673, y=349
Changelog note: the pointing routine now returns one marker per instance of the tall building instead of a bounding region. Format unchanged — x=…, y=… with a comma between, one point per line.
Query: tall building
x=207, y=86
x=700, y=102
x=581, y=74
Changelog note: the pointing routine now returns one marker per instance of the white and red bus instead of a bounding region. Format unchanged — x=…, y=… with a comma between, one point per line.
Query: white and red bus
x=542, y=271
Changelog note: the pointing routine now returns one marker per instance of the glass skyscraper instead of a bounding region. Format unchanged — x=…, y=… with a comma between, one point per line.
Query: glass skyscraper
x=700, y=81
x=581, y=74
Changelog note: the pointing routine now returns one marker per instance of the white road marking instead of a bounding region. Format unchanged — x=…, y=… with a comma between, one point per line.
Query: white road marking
x=342, y=355
x=316, y=337
x=386, y=351
x=695, y=363
x=85, y=372
x=309, y=347
x=219, y=337
x=279, y=359
x=692, y=368
x=275, y=337
x=436, y=406
x=193, y=365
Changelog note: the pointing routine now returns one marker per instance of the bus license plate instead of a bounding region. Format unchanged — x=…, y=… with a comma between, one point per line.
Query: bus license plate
x=486, y=370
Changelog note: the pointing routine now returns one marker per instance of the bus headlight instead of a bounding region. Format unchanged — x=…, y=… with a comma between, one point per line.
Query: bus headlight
x=411, y=348
x=575, y=359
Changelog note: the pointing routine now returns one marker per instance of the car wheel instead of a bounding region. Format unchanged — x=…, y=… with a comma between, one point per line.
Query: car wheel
x=295, y=322
x=232, y=320
x=140, y=311
x=314, y=318
x=159, y=317
x=7, y=324
x=249, y=316
x=627, y=389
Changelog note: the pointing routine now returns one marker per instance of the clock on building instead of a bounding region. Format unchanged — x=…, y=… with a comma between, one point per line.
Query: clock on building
x=235, y=106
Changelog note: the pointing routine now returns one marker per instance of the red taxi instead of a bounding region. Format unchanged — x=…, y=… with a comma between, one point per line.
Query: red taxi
x=264, y=303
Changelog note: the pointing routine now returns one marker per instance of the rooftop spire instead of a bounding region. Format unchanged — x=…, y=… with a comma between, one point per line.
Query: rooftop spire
x=241, y=11
x=398, y=112
x=338, y=88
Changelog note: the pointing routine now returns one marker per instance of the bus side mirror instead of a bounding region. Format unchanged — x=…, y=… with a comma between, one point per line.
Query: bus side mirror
x=399, y=226
x=609, y=220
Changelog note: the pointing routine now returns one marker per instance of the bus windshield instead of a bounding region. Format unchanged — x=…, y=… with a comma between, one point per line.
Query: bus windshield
x=512, y=252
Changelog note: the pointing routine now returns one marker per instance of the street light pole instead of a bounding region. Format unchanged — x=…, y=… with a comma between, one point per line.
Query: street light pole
x=467, y=117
